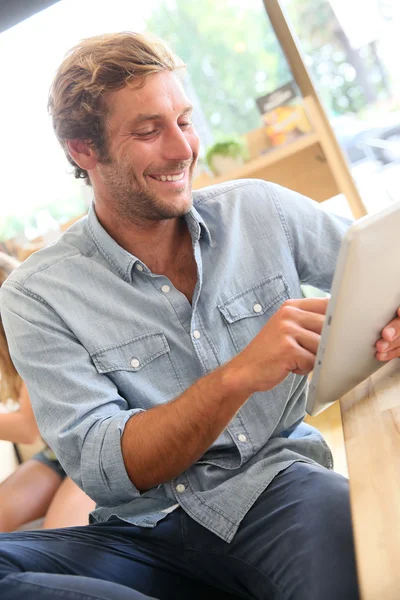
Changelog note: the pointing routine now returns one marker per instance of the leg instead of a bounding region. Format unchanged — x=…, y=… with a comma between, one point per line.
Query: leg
x=69, y=507
x=294, y=544
x=150, y=561
x=38, y=586
x=26, y=494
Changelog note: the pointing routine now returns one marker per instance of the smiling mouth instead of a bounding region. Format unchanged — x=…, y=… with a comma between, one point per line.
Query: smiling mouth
x=174, y=177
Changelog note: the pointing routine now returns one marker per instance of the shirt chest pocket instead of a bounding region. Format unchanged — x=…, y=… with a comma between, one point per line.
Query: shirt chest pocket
x=142, y=369
x=248, y=311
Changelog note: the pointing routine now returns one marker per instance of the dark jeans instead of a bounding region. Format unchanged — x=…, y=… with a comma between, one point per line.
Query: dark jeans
x=295, y=543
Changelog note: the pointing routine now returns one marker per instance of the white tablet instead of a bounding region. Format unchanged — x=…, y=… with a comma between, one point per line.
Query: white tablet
x=365, y=296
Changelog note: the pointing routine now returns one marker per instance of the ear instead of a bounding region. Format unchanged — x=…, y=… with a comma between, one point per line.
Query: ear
x=82, y=154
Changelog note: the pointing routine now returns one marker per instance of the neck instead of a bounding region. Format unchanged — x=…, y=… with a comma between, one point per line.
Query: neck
x=158, y=244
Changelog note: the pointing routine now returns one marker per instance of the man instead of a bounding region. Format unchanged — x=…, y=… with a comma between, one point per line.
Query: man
x=166, y=344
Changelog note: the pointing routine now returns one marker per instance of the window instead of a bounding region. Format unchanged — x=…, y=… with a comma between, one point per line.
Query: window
x=232, y=56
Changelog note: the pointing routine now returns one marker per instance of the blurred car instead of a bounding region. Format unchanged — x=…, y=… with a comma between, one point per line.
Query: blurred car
x=377, y=139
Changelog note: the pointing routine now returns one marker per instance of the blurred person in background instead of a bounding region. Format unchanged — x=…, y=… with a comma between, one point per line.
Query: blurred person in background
x=38, y=488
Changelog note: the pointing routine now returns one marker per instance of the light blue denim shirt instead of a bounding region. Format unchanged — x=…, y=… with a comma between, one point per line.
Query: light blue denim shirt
x=98, y=337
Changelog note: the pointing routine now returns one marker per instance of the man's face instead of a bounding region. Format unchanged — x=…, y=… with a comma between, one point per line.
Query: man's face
x=152, y=149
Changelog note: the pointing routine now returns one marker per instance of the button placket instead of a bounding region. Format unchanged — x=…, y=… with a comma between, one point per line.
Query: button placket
x=241, y=436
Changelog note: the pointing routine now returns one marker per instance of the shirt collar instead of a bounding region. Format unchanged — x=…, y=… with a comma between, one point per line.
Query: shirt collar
x=122, y=260
x=197, y=226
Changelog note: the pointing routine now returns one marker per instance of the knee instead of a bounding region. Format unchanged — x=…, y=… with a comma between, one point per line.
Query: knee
x=328, y=499
x=9, y=562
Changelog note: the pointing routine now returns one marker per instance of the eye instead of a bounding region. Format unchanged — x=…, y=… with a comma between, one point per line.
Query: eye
x=185, y=124
x=145, y=134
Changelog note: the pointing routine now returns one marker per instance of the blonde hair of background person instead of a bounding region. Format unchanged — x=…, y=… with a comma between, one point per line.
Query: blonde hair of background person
x=35, y=489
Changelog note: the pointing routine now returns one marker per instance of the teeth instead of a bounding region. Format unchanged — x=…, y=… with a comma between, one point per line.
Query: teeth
x=169, y=177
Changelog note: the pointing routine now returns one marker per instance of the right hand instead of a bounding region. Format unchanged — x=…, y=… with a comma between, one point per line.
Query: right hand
x=287, y=344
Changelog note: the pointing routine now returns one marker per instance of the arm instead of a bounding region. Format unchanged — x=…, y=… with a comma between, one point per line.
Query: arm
x=314, y=235
x=315, y=245
x=20, y=426
x=83, y=417
x=161, y=443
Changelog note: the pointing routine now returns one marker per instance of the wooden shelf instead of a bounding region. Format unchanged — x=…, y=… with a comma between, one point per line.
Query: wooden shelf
x=312, y=165
x=258, y=164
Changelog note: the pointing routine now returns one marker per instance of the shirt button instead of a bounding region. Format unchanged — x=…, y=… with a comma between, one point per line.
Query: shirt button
x=257, y=308
x=180, y=488
x=242, y=438
x=135, y=363
x=165, y=289
x=139, y=267
x=196, y=334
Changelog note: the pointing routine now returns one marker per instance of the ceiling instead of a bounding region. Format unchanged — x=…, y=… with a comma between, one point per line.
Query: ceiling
x=14, y=11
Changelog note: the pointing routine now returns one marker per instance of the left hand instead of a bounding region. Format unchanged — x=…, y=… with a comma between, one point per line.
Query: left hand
x=388, y=346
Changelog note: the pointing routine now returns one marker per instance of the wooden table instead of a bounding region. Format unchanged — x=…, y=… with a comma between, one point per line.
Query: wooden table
x=371, y=424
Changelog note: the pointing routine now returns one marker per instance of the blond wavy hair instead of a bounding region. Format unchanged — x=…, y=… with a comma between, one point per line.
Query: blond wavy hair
x=10, y=381
x=95, y=66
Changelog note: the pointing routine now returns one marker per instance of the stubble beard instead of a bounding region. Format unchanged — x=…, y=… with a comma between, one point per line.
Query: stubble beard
x=133, y=203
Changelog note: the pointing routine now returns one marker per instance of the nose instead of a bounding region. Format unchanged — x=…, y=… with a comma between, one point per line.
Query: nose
x=176, y=144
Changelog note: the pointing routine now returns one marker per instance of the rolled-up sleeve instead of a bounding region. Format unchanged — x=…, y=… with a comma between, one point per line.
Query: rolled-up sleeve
x=79, y=411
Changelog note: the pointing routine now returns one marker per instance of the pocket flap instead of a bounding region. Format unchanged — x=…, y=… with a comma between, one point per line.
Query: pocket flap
x=131, y=355
x=256, y=300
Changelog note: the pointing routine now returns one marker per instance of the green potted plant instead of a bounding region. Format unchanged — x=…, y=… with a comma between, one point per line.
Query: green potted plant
x=226, y=155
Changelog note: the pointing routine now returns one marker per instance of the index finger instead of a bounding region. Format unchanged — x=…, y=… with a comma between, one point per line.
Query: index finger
x=316, y=305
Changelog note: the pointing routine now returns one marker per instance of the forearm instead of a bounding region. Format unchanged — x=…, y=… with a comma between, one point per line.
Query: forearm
x=14, y=427
x=161, y=443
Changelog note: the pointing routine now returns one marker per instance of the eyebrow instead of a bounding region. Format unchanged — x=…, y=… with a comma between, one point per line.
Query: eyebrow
x=142, y=117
